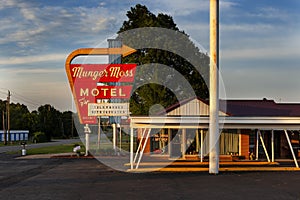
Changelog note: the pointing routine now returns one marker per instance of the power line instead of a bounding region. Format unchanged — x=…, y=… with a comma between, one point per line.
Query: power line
x=20, y=97
x=25, y=100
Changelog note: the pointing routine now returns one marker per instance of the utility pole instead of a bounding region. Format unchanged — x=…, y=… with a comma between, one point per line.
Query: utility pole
x=4, y=128
x=8, y=116
x=214, y=150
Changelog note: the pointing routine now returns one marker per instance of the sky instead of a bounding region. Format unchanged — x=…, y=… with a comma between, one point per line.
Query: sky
x=259, y=44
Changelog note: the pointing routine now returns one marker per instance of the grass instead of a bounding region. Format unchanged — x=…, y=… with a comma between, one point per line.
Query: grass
x=14, y=143
x=64, y=148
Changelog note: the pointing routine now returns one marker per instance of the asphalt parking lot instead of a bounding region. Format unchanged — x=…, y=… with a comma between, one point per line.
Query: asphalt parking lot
x=89, y=179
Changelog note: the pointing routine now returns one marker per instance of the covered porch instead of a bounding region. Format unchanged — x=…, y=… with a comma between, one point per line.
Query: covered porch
x=184, y=137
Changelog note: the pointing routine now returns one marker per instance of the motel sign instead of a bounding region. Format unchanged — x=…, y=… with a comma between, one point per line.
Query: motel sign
x=90, y=83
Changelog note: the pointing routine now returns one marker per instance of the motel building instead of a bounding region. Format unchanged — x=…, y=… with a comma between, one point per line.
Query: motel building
x=261, y=130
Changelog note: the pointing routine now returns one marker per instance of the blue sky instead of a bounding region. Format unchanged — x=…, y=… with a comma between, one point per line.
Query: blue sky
x=259, y=40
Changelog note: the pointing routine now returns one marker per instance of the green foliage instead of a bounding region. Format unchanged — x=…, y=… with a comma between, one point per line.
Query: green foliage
x=39, y=137
x=64, y=148
x=153, y=93
x=51, y=122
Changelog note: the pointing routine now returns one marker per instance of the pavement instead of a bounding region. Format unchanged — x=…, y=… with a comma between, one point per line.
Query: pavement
x=76, y=178
x=52, y=176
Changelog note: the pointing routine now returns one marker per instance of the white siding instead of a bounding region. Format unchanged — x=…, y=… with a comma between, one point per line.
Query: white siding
x=194, y=107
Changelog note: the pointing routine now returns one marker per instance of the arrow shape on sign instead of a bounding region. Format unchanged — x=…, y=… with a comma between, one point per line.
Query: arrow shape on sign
x=124, y=51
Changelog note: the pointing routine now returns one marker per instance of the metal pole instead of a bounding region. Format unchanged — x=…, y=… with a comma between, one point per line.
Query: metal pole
x=99, y=132
x=291, y=148
x=4, y=129
x=264, y=146
x=183, y=146
x=120, y=138
x=197, y=140
x=257, y=144
x=131, y=148
x=143, y=149
x=114, y=136
x=8, y=117
x=169, y=142
x=272, y=145
x=214, y=89
x=201, y=151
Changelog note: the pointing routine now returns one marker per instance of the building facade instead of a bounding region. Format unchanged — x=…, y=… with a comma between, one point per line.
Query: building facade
x=251, y=129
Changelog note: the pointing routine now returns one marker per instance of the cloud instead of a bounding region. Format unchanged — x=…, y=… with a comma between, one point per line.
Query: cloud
x=269, y=12
x=32, y=59
x=7, y=4
x=182, y=8
x=258, y=53
x=32, y=28
x=257, y=28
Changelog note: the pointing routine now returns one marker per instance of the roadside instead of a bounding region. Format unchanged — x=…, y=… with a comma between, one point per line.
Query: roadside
x=5, y=149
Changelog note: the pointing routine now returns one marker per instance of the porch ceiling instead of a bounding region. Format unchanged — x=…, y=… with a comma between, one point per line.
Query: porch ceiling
x=267, y=123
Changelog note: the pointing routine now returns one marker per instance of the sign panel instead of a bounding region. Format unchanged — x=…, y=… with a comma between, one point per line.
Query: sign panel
x=84, y=79
x=108, y=109
x=103, y=72
x=103, y=92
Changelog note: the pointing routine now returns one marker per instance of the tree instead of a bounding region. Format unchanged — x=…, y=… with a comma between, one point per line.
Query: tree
x=68, y=124
x=153, y=93
x=50, y=121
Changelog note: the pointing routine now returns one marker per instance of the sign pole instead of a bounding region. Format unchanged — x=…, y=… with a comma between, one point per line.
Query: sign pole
x=87, y=132
x=214, y=89
x=99, y=131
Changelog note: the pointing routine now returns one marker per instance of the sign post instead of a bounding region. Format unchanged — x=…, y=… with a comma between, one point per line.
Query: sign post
x=89, y=82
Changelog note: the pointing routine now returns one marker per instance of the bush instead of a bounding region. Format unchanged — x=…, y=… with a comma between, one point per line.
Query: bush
x=39, y=137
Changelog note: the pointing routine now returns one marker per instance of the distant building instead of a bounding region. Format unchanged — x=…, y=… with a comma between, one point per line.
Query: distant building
x=15, y=135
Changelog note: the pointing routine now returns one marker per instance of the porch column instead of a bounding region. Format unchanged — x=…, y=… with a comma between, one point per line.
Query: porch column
x=272, y=145
x=131, y=148
x=264, y=146
x=183, y=146
x=201, y=150
x=169, y=143
x=291, y=147
x=257, y=143
x=114, y=137
x=197, y=140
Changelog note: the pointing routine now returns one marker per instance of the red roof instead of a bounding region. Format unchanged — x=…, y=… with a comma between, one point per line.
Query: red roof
x=260, y=108
x=251, y=108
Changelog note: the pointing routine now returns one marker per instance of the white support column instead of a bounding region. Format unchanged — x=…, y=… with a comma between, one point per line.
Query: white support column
x=99, y=132
x=201, y=151
x=291, y=148
x=143, y=149
x=114, y=137
x=240, y=141
x=131, y=148
x=197, y=140
x=257, y=145
x=272, y=145
x=263, y=144
x=120, y=135
x=140, y=145
x=183, y=144
x=214, y=89
x=170, y=143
